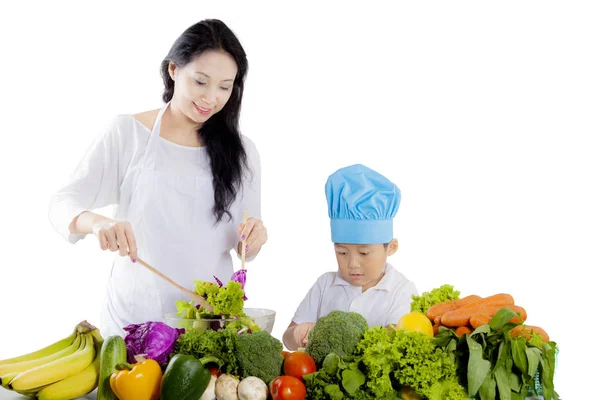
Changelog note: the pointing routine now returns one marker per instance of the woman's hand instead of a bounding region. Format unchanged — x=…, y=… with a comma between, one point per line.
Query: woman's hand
x=116, y=236
x=255, y=234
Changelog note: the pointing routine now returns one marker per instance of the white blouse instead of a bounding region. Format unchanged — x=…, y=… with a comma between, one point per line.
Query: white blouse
x=106, y=174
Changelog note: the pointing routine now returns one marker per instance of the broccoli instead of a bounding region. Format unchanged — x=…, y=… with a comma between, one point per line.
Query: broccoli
x=259, y=355
x=338, y=332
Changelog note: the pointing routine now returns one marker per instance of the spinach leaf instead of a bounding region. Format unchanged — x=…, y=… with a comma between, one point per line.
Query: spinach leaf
x=488, y=388
x=502, y=356
x=534, y=356
x=478, y=368
x=519, y=357
x=515, y=382
x=548, y=364
x=501, y=318
x=502, y=382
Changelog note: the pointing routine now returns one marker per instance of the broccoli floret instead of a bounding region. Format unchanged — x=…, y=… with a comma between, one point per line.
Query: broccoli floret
x=338, y=332
x=259, y=355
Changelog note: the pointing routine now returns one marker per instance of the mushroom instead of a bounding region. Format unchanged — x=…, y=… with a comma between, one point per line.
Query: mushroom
x=209, y=393
x=253, y=388
x=226, y=387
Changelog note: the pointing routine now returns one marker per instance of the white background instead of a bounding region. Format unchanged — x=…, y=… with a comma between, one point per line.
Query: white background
x=485, y=115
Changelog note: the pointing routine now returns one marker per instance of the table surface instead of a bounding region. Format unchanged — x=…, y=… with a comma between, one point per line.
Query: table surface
x=8, y=395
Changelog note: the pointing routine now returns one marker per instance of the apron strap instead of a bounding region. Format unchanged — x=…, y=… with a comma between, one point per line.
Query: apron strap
x=149, y=160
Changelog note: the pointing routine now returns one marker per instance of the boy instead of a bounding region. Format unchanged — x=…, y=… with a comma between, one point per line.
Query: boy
x=362, y=204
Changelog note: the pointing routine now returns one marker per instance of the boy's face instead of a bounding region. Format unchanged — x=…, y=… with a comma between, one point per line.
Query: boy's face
x=363, y=264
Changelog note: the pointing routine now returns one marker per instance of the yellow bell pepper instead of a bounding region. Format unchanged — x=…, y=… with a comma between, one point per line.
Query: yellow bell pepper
x=140, y=381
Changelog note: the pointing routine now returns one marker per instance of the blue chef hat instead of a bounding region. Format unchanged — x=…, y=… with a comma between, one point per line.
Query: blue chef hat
x=362, y=204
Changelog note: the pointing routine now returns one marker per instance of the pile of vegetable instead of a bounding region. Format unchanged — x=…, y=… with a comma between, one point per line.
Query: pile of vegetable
x=494, y=362
x=497, y=355
x=168, y=364
x=385, y=361
x=480, y=349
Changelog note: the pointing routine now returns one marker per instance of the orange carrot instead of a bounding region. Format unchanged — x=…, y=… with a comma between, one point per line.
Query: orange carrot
x=437, y=320
x=461, y=330
x=492, y=310
x=461, y=316
x=436, y=329
x=527, y=330
x=478, y=319
x=440, y=309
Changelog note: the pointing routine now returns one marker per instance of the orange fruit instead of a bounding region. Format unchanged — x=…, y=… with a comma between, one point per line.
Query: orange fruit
x=416, y=322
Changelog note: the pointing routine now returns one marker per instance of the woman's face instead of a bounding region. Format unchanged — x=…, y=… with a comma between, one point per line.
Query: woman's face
x=203, y=86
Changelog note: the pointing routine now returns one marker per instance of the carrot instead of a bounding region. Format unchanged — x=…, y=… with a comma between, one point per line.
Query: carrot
x=436, y=329
x=522, y=317
x=461, y=316
x=437, y=320
x=492, y=310
x=461, y=330
x=527, y=330
x=478, y=319
x=440, y=309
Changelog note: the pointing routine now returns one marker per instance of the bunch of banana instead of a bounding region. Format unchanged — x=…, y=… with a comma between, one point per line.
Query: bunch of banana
x=65, y=370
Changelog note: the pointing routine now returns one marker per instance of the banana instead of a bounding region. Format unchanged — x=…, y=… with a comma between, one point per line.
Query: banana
x=56, y=370
x=6, y=378
x=78, y=385
x=74, y=386
x=29, y=364
x=51, y=349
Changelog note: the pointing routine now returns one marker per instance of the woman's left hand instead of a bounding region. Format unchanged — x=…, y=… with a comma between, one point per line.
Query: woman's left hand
x=255, y=234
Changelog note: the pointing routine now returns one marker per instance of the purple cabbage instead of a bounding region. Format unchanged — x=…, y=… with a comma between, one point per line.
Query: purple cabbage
x=240, y=276
x=154, y=339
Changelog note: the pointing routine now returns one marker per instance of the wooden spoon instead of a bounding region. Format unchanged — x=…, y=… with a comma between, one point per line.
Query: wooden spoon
x=195, y=296
x=244, y=242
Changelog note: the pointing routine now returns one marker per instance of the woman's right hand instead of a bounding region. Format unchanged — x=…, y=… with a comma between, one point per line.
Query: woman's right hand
x=116, y=236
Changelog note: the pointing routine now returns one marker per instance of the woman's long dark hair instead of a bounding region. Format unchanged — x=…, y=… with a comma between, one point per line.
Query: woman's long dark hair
x=220, y=133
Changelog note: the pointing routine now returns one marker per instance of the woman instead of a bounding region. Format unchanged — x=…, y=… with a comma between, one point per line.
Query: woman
x=180, y=178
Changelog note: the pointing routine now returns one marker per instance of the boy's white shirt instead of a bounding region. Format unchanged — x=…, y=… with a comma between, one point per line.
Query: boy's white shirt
x=383, y=304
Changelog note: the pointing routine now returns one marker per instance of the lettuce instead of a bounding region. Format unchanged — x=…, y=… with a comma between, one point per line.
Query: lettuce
x=394, y=358
x=436, y=296
x=227, y=301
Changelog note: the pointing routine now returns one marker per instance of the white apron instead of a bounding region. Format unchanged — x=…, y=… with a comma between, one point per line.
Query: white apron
x=174, y=227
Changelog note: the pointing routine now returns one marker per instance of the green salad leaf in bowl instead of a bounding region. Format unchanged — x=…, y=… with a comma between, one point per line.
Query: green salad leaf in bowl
x=228, y=311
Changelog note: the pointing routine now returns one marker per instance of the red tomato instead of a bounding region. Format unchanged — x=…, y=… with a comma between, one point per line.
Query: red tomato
x=285, y=353
x=214, y=371
x=299, y=363
x=287, y=388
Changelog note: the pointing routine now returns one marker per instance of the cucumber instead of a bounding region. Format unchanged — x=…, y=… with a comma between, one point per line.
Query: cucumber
x=113, y=352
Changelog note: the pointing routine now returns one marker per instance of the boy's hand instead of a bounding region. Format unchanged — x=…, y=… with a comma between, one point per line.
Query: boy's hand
x=301, y=333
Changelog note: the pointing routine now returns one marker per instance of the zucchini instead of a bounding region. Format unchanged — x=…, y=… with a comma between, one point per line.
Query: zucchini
x=113, y=352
